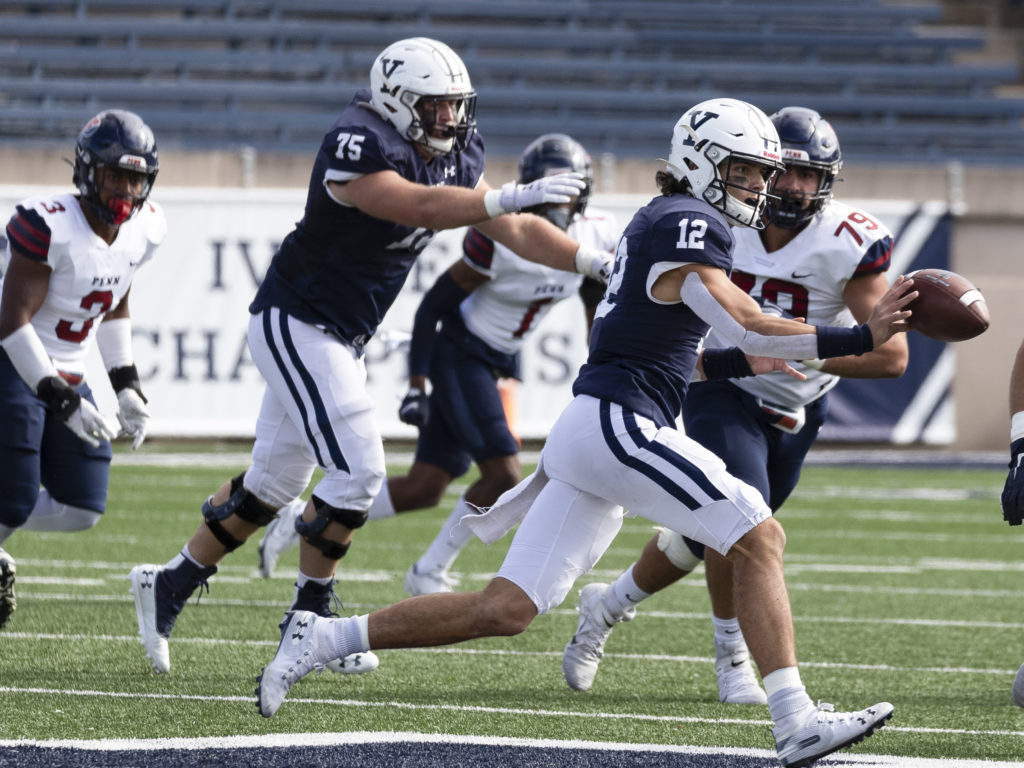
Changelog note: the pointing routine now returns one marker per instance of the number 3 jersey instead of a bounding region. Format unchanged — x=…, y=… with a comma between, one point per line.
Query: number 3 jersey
x=807, y=278
x=519, y=293
x=88, y=277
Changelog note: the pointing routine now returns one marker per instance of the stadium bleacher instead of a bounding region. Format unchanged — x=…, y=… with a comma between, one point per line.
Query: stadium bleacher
x=272, y=74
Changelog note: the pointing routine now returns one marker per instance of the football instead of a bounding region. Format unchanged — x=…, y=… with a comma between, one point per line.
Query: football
x=948, y=308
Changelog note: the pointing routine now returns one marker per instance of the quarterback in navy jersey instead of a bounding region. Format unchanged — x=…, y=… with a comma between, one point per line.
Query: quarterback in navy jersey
x=403, y=161
x=70, y=262
x=817, y=259
x=616, y=445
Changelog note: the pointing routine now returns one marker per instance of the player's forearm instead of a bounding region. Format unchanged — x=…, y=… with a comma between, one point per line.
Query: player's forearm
x=887, y=362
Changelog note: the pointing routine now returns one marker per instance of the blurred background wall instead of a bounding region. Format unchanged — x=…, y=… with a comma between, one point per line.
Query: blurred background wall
x=926, y=97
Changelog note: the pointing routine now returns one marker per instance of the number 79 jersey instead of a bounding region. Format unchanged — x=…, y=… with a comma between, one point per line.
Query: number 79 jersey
x=807, y=278
x=88, y=278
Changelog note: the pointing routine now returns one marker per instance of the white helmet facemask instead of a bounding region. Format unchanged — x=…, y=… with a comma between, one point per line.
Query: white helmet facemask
x=708, y=139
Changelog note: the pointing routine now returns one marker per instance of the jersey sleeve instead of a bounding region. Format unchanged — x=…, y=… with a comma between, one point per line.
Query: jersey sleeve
x=689, y=237
x=29, y=234
x=876, y=258
x=355, y=151
x=156, y=229
x=478, y=252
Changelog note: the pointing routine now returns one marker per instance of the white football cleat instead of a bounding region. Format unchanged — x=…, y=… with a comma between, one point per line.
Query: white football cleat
x=583, y=653
x=355, y=663
x=1018, y=687
x=143, y=589
x=296, y=657
x=427, y=582
x=8, y=600
x=280, y=536
x=824, y=731
x=737, y=681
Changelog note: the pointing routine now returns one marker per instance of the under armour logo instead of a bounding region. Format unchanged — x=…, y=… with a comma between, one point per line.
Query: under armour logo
x=1020, y=458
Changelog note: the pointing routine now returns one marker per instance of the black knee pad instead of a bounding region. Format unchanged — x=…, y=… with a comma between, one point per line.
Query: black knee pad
x=240, y=503
x=313, y=531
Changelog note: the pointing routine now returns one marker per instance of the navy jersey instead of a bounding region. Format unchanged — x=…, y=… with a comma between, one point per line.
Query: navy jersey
x=341, y=268
x=643, y=351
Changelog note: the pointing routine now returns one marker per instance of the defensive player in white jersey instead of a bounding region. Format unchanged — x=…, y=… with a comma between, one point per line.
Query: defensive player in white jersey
x=71, y=259
x=616, y=445
x=402, y=161
x=818, y=259
x=468, y=331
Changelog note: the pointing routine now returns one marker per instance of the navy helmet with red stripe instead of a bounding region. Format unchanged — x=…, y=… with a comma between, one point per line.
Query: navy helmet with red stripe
x=119, y=139
x=808, y=141
x=557, y=153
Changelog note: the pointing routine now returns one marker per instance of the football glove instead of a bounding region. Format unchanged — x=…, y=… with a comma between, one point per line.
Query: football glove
x=1012, y=500
x=594, y=263
x=89, y=424
x=547, y=190
x=132, y=413
x=415, y=408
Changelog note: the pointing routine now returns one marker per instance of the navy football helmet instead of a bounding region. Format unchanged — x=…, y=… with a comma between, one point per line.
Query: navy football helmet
x=809, y=141
x=557, y=153
x=118, y=139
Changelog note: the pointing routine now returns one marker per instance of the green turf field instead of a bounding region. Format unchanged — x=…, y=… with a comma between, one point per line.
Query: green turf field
x=906, y=586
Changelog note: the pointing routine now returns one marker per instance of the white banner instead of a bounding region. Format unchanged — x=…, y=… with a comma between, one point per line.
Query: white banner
x=189, y=311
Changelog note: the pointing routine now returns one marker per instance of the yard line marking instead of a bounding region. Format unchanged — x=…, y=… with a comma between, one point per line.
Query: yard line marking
x=463, y=651
x=479, y=709
x=278, y=740
x=674, y=615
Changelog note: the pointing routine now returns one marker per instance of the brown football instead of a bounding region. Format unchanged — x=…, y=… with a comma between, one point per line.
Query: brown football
x=949, y=307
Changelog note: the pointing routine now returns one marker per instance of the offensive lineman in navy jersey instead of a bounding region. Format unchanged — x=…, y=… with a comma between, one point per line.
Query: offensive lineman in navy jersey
x=819, y=259
x=616, y=445
x=402, y=161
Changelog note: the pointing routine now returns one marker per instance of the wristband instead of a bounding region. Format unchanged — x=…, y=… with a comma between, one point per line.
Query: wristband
x=840, y=342
x=492, y=202
x=114, y=339
x=126, y=377
x=727, y=363
x=1016, y=426
x=58, y=396
x=28, y=356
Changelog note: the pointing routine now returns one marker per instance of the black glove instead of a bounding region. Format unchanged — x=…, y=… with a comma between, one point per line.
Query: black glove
x=415, y=408
x=1012, y=500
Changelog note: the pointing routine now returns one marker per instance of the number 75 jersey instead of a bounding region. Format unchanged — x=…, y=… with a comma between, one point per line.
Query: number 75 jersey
x=88, y=278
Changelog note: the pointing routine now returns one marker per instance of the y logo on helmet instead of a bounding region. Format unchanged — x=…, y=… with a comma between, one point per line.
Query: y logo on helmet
x=697, y=119
x=390, y=65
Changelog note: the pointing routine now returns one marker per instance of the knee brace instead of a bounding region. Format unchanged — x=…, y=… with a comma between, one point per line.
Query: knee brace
x=313, y=531
x=240, y=503
x=678, y=550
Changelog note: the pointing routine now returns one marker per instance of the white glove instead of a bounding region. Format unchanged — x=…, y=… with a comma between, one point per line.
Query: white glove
x=513, y=197
x=132, y=413
x=594, y=263
x=89, y=424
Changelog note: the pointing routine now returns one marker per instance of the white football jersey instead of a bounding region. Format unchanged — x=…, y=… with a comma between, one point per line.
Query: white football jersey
x=519, y=293
x=807, y=278
x=88, y=277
